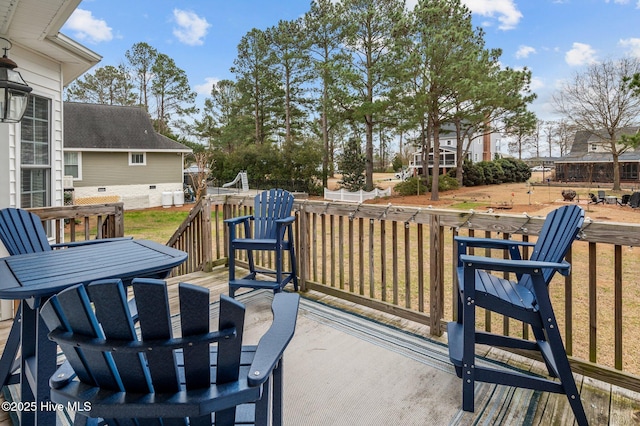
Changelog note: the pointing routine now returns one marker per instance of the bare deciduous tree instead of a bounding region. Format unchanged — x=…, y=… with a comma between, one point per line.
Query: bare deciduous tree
x=601, y=102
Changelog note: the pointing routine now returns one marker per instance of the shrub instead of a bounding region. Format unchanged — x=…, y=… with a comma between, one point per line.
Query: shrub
x=411, y=186
x=447, y=183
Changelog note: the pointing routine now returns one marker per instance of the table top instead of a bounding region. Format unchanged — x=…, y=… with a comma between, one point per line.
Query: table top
x=42, y=274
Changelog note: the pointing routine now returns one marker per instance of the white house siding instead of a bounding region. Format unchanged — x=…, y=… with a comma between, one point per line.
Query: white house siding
x=45, y=77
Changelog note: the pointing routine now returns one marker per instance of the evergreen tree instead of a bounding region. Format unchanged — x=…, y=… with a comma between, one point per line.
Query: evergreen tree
x=352, y=166
x=292, y=61
x=369, y=37
x=324, y=27
x=171, y=89
x=141, y=57
x=257, y=83
x=108, y=85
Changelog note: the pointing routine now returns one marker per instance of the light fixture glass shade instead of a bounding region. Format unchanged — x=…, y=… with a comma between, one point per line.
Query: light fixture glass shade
x=14, y=95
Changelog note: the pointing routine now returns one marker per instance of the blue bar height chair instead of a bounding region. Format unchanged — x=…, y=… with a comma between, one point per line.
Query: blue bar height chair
x=272, y=231
x=526, y=298
x=120, y=375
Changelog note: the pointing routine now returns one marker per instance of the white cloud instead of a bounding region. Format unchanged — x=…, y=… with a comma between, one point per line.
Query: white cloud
x=525, y=51
x=506, y=11
x=190, y=28
x=618, y=1
x=536, y=84
x=205, y=88
x=580, y=54
x=632, y=44
x=88, y=28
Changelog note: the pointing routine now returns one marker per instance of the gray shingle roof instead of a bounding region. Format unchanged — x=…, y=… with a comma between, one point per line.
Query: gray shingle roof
x=580, y=149
x=109, y=127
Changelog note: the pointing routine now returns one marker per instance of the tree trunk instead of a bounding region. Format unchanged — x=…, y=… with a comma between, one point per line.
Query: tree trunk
x=616, y=171
x=435, y=196
x=368, y=170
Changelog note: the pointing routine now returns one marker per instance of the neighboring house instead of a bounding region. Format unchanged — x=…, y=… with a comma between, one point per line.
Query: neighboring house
x=548, y=162
x=31, y=151
x=590, y=160
x=113, y=154
x=481, y=148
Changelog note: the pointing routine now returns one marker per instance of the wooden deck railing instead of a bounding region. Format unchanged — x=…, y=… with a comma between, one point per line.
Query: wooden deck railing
x=401, y=260
x=195, y=237
x=75, y=223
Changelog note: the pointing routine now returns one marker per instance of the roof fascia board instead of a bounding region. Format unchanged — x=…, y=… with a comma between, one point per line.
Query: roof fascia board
x=72, y=149
x=72, y=46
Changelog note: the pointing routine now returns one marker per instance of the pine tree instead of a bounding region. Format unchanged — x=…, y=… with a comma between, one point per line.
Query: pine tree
x=352, y=166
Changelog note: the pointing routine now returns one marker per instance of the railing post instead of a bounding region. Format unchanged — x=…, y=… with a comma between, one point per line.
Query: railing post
x=226, y=214
x=118, y=220
x=207, y=249
x=303, y=249
x=436, y=283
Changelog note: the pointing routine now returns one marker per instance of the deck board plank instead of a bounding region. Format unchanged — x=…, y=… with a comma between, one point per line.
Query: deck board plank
x=604, y=403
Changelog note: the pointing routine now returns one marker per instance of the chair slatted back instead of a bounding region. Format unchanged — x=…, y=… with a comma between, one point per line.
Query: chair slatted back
x=22, y=232
x=268, y=207
x=558, y=232
x=100, y=310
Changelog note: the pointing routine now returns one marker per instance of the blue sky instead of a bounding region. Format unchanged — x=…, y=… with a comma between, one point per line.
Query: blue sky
x=553, y=38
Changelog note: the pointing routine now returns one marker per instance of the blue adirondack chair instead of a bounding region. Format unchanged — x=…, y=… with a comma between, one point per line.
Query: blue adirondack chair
x=526, y=299
x=157, y=378
x=272, y=231
x=22, y=232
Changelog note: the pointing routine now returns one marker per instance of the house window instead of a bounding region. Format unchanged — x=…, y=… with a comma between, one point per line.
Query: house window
x=629, y=171
x=35, y=153
x=137, y=159
x=72, y=165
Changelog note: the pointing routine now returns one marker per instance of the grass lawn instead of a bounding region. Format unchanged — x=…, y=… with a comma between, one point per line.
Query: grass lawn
x=152, y=224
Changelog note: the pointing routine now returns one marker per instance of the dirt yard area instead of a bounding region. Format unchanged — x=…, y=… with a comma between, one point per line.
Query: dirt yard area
x=511, y=198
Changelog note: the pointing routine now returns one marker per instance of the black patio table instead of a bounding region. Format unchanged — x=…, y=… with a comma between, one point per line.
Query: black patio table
x=32, y=278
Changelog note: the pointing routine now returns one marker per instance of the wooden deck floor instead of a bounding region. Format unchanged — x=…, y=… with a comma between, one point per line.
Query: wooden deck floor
x=605, y=404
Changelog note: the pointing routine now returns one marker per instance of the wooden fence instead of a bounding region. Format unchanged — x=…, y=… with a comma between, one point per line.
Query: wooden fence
x=401, y=260
x=84, y=222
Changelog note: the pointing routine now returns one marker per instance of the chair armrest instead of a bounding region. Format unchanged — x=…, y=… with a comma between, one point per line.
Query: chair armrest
x=63, y=375
x=493, y=243
x=82, y=243
x=275, y=340
x=238, y=220
x=286, y=220
x=530, y=267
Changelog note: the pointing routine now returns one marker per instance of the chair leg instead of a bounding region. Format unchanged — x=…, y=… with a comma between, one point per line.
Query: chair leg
x=294, y=271
x=277, y=395
x=539, y=335
x=252, y=265
x=562, y=363
x=278, y=262
x=468, y=355
x=232, y=264
x=263, y=409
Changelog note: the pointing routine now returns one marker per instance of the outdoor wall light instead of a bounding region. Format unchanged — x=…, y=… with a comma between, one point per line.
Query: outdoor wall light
x=14, y=92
